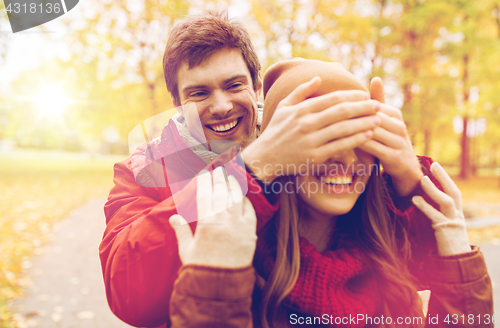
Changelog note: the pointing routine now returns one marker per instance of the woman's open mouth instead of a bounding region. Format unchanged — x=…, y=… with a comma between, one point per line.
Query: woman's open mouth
x=338, y=184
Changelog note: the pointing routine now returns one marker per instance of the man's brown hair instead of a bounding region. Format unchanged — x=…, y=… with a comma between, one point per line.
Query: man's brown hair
x=197, y=37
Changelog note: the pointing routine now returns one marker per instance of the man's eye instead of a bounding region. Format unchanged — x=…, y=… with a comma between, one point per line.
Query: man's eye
x=197, y=94
x=236, y=85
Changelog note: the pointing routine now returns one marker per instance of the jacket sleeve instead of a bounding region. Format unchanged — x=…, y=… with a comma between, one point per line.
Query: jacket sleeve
x=419, y=228
x=459, y=284
x=461, y=291
x=138, y=252
x=206, y=297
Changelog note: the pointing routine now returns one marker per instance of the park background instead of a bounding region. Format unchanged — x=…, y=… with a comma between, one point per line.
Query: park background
x=72, y=89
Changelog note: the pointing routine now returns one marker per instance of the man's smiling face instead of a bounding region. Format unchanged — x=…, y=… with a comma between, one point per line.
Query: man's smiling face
x=219, y=94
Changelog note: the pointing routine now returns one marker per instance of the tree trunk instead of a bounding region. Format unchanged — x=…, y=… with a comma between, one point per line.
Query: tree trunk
x=427, y=141
x=496, y=10
x=493, y=156
x=474, y=151
x=152, y=98
x=464, y=163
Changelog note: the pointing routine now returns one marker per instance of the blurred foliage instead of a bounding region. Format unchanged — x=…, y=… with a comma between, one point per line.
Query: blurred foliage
x=431, y=54
x=440, y=60
x=35, y=195
x=484, y=235
x=127, y=39
x=3, y=36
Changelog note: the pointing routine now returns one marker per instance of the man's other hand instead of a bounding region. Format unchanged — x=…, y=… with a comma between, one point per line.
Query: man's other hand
x=392, y=146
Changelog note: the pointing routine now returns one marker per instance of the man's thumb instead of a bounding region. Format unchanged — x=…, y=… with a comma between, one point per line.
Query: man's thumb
x=377, y=89
x=182, y=230
x=302, y=92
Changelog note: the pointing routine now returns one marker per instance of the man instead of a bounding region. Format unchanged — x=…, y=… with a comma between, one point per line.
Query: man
x=213, y=74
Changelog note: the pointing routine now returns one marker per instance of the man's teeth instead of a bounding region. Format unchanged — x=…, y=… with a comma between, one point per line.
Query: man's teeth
x=224, y=127
x=337, y=179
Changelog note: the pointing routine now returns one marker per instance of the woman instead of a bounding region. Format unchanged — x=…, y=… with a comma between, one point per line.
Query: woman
x=333, y=254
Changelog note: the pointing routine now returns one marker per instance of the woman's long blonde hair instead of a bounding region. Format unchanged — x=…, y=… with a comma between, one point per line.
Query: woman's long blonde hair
x=368, y=226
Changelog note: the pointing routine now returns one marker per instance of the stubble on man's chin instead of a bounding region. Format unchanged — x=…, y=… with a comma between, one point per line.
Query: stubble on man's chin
x=220, y=146
x=252, y=135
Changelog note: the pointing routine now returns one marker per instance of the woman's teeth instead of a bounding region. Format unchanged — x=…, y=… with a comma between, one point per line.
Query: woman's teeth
x=224, y=127
x=337, y=179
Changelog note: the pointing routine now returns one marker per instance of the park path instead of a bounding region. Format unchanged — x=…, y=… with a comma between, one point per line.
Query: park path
x=68, y=291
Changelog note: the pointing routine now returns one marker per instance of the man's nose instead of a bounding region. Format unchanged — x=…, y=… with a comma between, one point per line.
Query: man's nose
x=221, y=104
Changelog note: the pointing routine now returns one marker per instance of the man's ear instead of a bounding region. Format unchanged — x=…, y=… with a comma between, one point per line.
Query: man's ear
x=259, y=85
x=177, y=106
x=175, y=102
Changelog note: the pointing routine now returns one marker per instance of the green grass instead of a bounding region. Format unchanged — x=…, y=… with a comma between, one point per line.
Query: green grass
x=35, y=194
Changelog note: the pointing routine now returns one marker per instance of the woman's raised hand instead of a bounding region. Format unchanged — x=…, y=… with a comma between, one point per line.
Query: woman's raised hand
x=226, y=235
x=448, y=222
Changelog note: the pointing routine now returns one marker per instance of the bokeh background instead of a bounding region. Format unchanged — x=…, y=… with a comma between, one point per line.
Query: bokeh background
x=72, y=89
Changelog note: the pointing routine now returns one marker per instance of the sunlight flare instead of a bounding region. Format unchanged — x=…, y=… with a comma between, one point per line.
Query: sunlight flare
x=51, y=101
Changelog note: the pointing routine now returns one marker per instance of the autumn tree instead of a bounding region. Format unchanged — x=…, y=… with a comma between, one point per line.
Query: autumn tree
x=127, y=39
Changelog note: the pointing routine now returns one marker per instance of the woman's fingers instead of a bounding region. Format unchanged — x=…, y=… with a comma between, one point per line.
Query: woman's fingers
x=446, y=204
x=434, y=215
x=183, y=234
x=235, y=193
x=249, y=211
x=204, y=194
x=220, y=195
x=448, y=185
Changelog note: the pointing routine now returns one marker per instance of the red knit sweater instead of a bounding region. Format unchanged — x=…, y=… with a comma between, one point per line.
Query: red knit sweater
x=337, y=283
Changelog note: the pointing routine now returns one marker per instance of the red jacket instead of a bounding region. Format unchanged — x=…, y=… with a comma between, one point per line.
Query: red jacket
x=139, y=255
x=138, y=252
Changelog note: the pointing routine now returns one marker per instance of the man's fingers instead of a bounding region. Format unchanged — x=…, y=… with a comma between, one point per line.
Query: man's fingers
x=338, y=113
x=389, y=139
x=446, y=204
x=377, y=149
x=448, y=185
x=343, y=144
x=392, y=124
x=339, y=98
x=344, y=129
x=434, y=215
x=377, y=89
x=204, y=194
x=302, y=92
x=391, y=111
x=221, y=194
